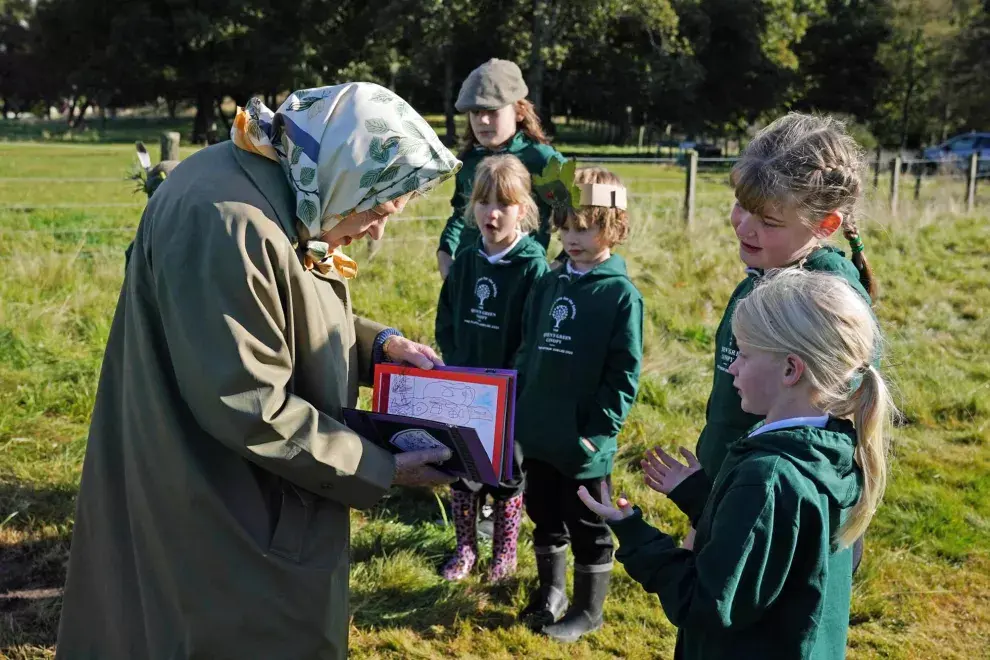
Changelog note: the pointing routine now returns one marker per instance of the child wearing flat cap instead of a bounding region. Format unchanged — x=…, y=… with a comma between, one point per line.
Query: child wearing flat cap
x=500, y=120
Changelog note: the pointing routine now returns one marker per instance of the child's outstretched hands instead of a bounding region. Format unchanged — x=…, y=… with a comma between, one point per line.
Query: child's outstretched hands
x=662, y=472
x=605, y=508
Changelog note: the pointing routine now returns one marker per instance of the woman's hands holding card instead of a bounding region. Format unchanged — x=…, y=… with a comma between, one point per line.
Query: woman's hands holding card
x=412, y=468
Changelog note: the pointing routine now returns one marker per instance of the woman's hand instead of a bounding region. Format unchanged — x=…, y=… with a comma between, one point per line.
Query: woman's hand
x=400, y=349
x=413, y=468
x=605, y=508
x=663, y=473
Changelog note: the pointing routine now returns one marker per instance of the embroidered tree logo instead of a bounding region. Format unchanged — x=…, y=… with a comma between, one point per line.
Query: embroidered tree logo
x=484, y=292
x=562, y=309
x=485, y=289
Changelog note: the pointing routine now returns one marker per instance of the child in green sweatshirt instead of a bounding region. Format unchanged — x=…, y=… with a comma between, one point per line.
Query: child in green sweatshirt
x=796, y=184
x=501, y=120
x=479, y=324
x=770, y=573
x=579, y=373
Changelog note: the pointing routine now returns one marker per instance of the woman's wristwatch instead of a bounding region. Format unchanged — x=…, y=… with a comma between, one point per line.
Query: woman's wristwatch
x=379, y=351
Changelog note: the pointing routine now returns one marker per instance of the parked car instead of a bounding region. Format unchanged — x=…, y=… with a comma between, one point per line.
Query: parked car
x=956, y=151
x=704, y=149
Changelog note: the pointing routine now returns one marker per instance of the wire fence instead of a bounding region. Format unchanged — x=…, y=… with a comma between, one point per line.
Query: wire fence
x=684, y=169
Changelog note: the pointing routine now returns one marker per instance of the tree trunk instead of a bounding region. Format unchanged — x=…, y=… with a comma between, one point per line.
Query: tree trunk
x=537, y=67
x=220, y=112
x=172, y=106
x=549, y=127
x=946, y=114
x=78, y=120
x=72, y=111
x=205, y=115
x=911, y=79
x=448, y=94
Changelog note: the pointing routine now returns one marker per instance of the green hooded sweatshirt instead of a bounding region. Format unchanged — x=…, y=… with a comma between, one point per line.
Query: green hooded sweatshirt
x=460, y=235
x=479, y=314
x=766, y=579
x=579, y=367
x=725, y=420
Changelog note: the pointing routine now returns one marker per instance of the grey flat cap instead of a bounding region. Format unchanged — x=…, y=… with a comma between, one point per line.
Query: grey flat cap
x=493, y=85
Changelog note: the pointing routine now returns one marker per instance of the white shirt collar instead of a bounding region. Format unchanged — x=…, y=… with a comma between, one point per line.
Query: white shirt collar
x=819, y=422
x=495, y=258
x=571, y=270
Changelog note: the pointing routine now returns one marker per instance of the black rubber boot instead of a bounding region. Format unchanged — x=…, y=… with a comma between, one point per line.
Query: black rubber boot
x=585, y=615
x=549, y=600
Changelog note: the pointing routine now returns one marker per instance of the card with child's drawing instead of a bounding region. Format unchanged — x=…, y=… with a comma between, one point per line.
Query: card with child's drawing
x=399, y=434
x=479, y=399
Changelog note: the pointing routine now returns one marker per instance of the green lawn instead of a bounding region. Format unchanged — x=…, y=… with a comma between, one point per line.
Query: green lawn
x=923, y=591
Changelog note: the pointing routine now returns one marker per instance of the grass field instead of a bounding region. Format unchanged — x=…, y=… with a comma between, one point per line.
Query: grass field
x=924, y=588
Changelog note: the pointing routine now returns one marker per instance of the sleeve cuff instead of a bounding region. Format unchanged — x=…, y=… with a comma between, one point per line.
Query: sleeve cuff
x=691, y=495
x=634, y=530
x=378, y=348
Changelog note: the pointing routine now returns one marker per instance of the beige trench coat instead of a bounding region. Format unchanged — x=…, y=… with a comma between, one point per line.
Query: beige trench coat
x=212, y=519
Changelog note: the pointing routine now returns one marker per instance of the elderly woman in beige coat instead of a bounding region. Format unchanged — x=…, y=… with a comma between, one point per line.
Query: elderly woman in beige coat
x=212, y=518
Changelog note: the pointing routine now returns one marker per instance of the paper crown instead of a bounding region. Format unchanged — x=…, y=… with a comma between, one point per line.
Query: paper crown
x=556, y=187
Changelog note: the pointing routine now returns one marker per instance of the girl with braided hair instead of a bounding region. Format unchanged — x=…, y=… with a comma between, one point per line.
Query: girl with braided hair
x=796, y=184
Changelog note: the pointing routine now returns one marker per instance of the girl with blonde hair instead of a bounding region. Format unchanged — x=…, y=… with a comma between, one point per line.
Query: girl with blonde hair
x=770, y=574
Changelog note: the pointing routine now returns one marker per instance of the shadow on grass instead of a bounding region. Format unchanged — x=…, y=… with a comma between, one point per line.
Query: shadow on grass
x=411, y=506
x=27, y=508
x=32, y=572
x=432, y=611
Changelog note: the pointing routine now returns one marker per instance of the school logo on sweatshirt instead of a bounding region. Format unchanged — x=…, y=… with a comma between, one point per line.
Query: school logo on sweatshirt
x=562, y=311
x=726, y=355
x=485, y=290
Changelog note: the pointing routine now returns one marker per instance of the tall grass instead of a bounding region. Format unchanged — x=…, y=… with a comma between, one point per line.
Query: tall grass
x=924, y=589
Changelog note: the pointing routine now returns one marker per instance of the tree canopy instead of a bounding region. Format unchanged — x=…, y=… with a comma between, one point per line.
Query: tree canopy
x=911, y=70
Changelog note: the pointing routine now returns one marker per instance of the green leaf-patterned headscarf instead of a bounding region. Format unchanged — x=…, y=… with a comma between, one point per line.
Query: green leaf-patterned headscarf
x=345, y=149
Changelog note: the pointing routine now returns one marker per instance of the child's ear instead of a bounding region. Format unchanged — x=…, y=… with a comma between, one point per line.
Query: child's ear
x=793, y=370
x=829, y=225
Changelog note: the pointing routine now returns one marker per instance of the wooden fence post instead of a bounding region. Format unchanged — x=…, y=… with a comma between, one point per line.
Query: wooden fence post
x=895, y=182
x=876, y=169
x=974, y=161
x=170, y=145
x=692, y=174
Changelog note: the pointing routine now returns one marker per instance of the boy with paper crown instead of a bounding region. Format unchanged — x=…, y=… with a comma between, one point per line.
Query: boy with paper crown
x=579, y=370
x=500, y=120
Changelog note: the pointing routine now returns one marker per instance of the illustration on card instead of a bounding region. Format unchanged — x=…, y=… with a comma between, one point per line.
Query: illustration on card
x=461, y=404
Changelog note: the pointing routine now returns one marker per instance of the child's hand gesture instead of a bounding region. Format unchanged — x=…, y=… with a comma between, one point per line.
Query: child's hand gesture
x=605, y=508
x=662, y=472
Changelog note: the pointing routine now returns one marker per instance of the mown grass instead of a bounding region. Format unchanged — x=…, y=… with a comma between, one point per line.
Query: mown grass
x=923, y=591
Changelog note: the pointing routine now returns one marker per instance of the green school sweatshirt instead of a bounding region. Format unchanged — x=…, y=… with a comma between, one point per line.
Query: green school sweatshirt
x=459, y=235
x=479, y=314
x=765, y=579
x=579, y=367
x=725, y=420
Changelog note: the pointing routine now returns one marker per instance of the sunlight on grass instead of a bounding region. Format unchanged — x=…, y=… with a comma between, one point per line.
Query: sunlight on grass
x=923, y=591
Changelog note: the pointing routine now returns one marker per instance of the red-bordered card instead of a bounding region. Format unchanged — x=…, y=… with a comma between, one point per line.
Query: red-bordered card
x=481, y=399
